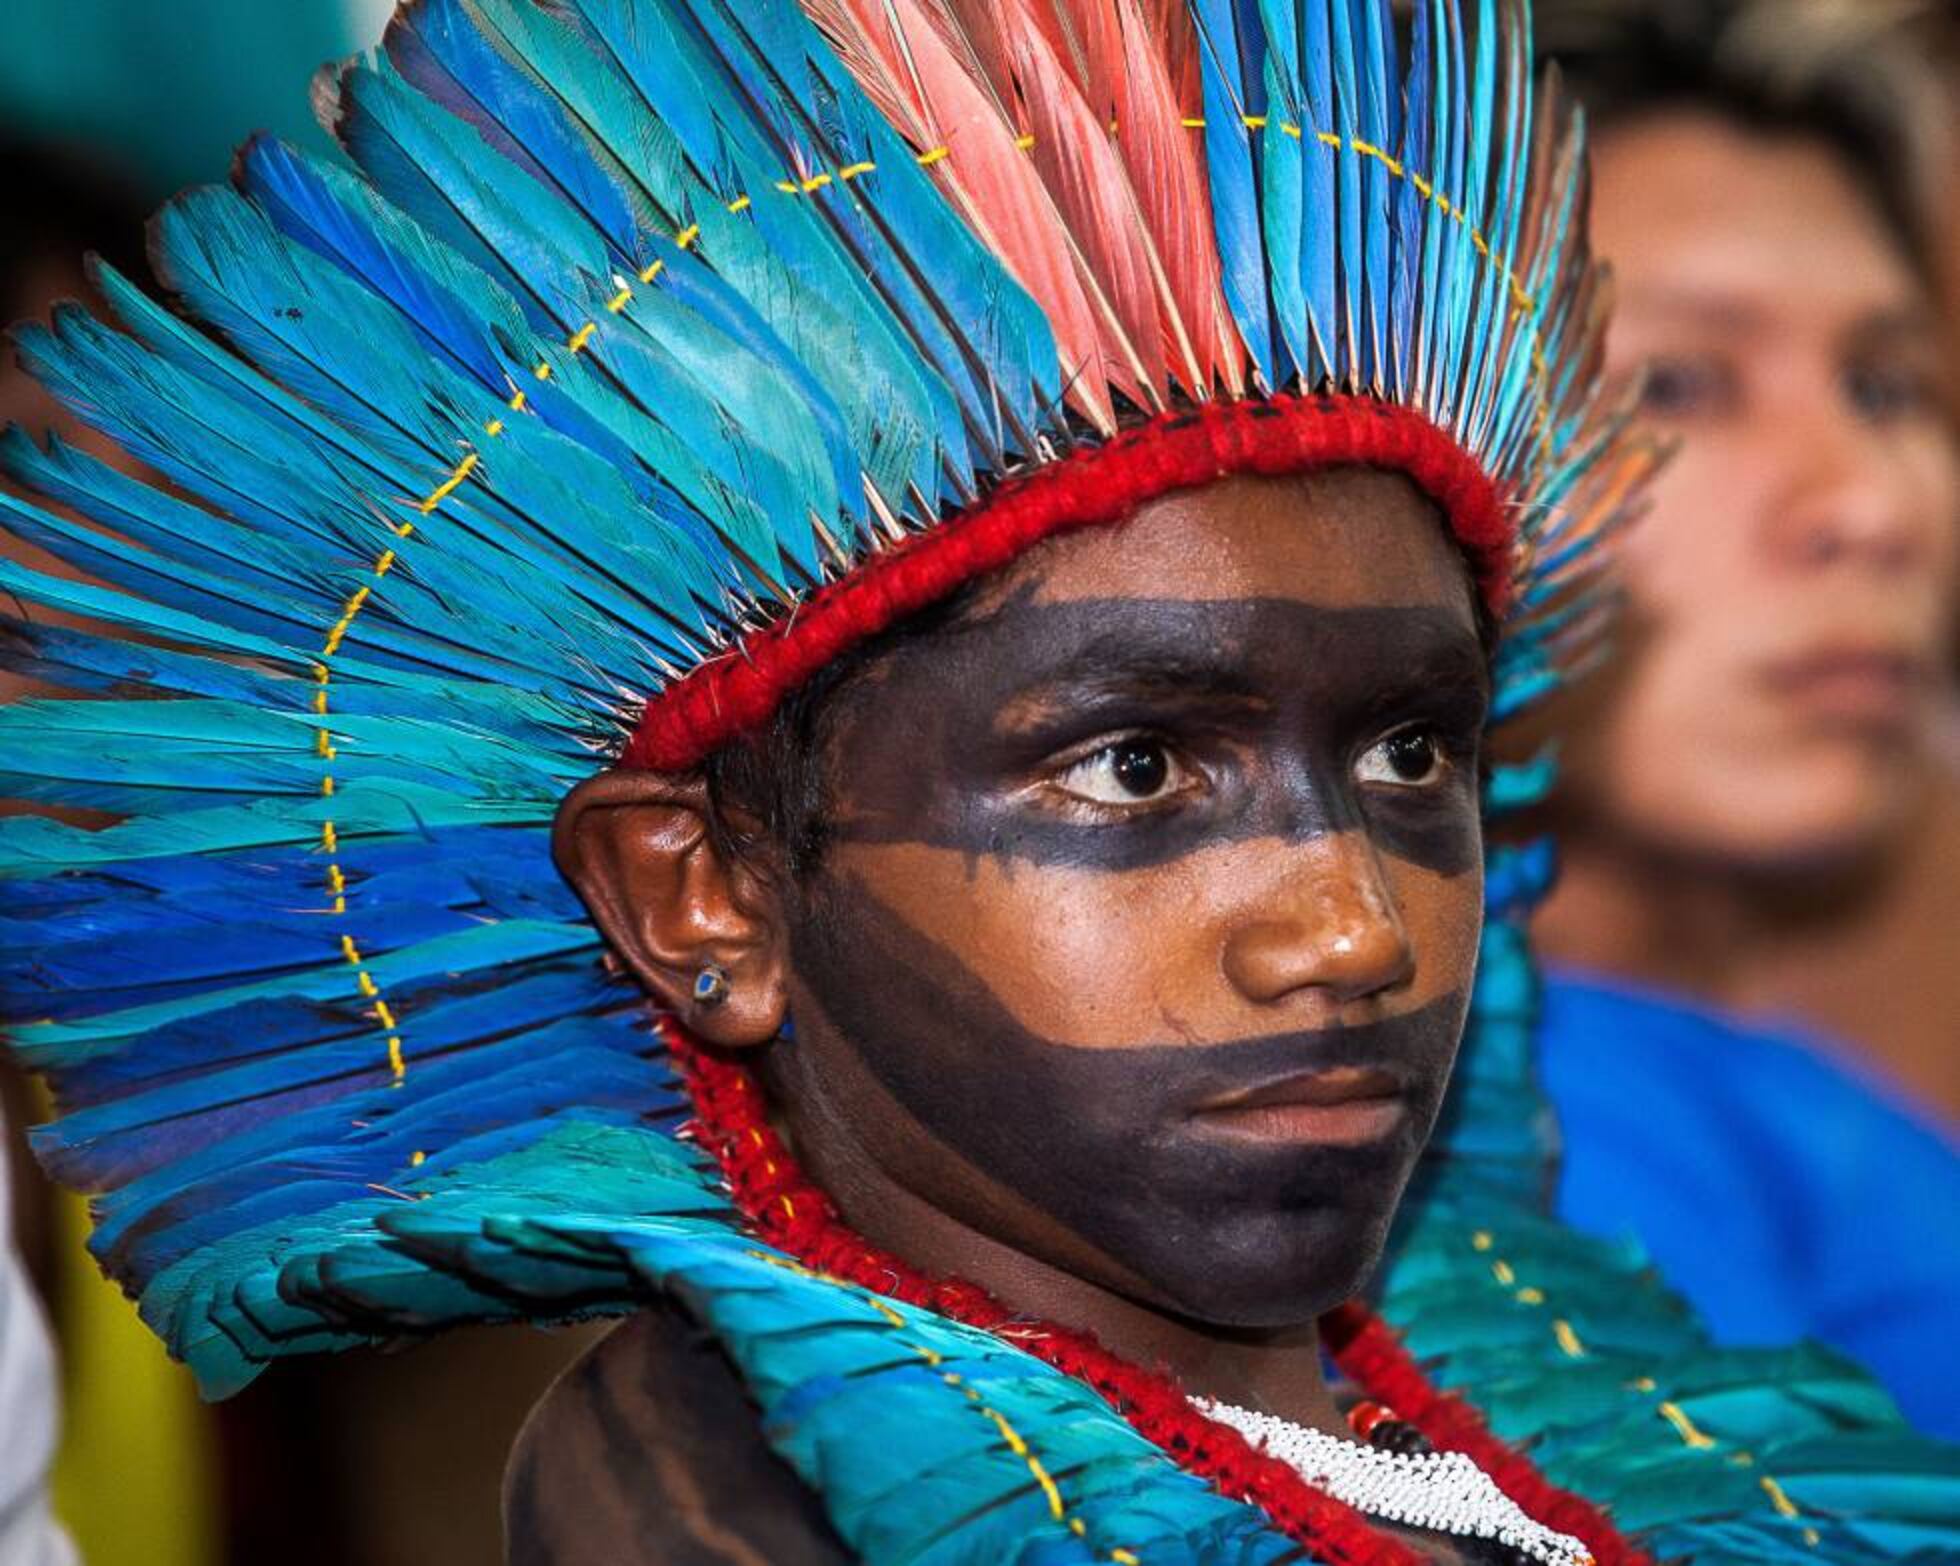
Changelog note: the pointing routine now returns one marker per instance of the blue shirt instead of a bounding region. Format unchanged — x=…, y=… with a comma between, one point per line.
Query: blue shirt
x=1785, y=1196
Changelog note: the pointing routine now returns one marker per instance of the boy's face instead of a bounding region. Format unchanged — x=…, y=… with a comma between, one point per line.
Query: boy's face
x=1142, y=937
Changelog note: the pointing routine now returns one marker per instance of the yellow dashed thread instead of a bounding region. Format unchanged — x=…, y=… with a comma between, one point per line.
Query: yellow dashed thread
x=884, y=1310
x=350, y=611
x=1392, y=164
x=1057, y=1509
x=364, y=981
x=1016, y=1442
x=448, y=486
x=1521, y=301
x=1780, y=1499
x=1691, y=1434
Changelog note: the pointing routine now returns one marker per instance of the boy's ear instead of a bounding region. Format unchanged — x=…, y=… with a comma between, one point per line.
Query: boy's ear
x=636, y=847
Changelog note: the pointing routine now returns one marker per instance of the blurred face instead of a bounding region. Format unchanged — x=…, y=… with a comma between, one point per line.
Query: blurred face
x=1142, y=937
x=1792, y=589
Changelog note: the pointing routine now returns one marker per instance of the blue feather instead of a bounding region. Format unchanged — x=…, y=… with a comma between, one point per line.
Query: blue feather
x=1231, y=53
x=1324, y=234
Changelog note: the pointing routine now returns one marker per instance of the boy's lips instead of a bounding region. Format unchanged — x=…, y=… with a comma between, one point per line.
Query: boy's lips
x=1345, y=1105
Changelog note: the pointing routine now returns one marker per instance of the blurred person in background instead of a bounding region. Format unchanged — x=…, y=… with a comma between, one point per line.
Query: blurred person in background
x=1760, y=822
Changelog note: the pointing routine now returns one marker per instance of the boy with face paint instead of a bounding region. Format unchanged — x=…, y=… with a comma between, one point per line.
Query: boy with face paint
x=1130, y=948
x=1032, y=587
x=1138, y=941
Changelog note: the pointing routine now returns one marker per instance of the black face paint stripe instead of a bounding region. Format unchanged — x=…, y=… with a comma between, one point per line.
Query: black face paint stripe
x=1103, y=1140
x=1284, y=690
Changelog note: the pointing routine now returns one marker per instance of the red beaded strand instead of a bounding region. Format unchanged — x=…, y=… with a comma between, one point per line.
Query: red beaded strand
x=790, y=1212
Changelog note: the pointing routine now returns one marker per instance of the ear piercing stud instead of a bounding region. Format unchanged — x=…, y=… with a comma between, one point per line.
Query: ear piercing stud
x=711, y=985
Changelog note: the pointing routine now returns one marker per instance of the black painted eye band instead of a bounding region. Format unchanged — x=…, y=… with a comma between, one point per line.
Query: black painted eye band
x=1265, y=702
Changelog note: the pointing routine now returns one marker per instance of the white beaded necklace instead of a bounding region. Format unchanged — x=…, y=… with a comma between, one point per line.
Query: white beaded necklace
x=1442, y=1491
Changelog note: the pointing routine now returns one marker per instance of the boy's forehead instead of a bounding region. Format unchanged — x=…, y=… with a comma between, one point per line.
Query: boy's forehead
x=1348, y=538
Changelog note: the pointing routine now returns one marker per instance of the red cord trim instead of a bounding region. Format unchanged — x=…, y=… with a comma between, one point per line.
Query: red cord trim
x=792, y=1213
x=735, y=694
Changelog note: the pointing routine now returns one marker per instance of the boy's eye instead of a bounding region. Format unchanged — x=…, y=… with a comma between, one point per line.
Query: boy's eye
x=1132, y=771
x=1408, y=758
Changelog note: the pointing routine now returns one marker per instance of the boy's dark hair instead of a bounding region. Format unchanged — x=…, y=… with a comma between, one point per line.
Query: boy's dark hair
x=778, y=776
x=1842, y=76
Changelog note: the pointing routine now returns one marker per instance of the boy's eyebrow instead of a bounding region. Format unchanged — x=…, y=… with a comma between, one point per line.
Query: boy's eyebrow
x=1100, y=673
x=1456, y=669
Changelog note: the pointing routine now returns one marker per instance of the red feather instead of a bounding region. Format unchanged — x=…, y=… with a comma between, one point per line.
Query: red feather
x=929, y=76
x=1091, y=188
x=1067, y=152
x=1165, y=160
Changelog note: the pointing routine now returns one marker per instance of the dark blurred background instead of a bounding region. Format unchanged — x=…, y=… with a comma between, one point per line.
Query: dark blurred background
x=106, y=108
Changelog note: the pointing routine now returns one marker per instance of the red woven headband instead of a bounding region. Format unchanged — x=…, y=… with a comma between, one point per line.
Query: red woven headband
x=735, y=694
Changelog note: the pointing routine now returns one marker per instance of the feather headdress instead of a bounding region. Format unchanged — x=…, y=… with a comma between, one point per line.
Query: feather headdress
x=659, y=350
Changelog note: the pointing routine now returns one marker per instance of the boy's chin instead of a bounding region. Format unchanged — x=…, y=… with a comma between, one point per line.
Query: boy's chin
x=1271, y=1277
